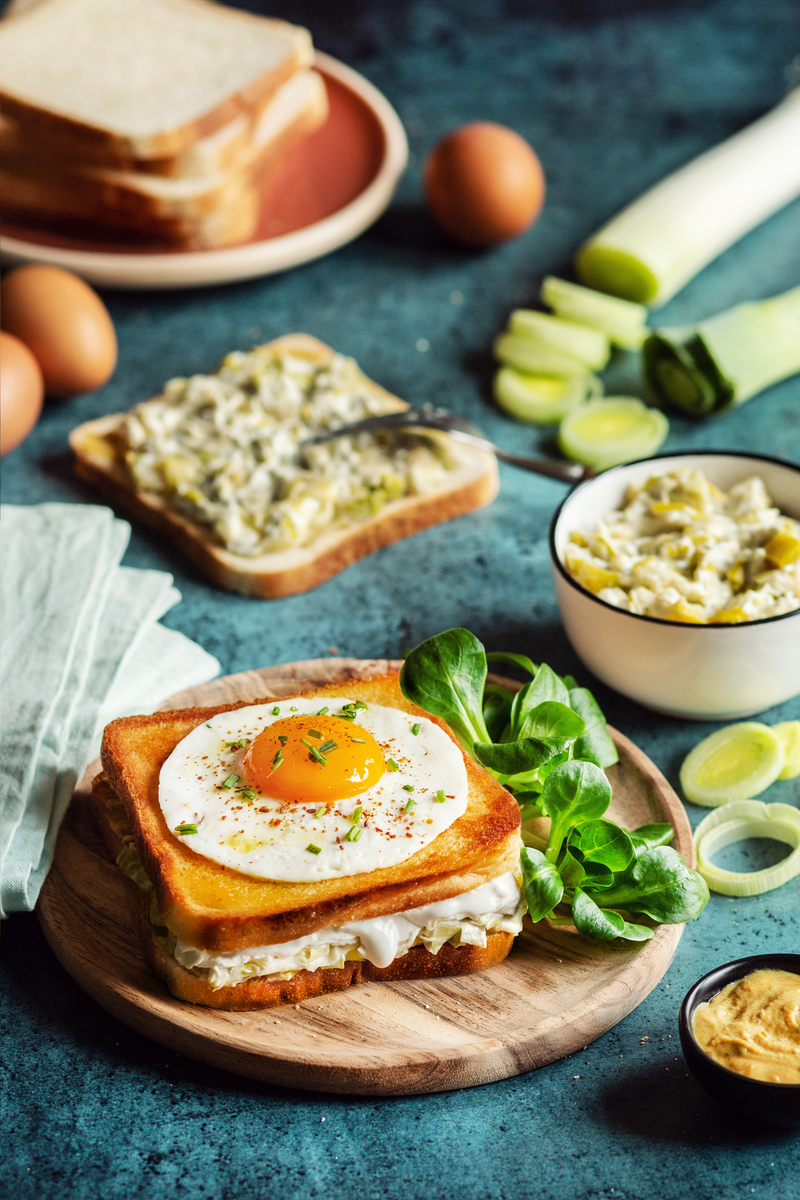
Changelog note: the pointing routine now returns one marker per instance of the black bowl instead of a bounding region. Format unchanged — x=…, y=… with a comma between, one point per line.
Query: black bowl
x=776, y=1103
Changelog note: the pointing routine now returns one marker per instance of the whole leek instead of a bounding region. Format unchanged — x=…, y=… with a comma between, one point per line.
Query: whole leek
x=726, y=359
x=661, y=241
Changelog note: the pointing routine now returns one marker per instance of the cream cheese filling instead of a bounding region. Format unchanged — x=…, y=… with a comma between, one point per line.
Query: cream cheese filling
x=494, y=907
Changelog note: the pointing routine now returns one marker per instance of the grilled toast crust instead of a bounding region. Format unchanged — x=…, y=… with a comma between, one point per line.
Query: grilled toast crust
x=218, y=909
x=472, y=484
x=257, y=993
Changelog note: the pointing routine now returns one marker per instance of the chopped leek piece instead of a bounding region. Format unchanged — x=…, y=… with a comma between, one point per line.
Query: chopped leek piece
x=747, y=819
x=616, y=430
x=735, y=763
x=789, y=733
x=622, y=321
x=588, y=346
x=542, y=399
x=535, y=356
x=727, y=359
x=661, y=241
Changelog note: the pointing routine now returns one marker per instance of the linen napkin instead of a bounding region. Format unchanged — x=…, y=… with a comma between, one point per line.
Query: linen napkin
x=80, y=644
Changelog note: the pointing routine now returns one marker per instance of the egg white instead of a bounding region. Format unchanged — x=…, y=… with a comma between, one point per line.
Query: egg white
x=269, y=838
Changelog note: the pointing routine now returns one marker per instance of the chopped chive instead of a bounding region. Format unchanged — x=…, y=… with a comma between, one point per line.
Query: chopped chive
x=326, y=747
x=392, y=765
x=236, y=745
x=361, y=741
x=353, y=834
x=292, y=710
x=276, y=712
x=186, y=829
x=282, y=739
x=408, y=787
x=249, y=795
x=277, y=760
x=322, y=712
x=409, y=805
x=312, y=849
x=415, y=729
x=209, y=726
x=440, y=797
x=230, y=781
x=356, y=815
x=314, y=733
x=320, y=811
x=345, y=716
x=359, y=704
x=314, y=752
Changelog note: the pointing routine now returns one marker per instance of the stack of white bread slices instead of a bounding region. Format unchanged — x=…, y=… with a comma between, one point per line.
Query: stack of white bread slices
x=155, y=121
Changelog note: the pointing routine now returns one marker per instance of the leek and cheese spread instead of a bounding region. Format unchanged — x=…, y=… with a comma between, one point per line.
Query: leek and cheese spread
x=683, y=550
x=493, y=907
x=224, y=450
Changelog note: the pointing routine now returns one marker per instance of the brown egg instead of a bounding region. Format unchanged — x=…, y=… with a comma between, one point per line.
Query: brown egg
x=21, y=392
x=66, y=325
x=484, y=184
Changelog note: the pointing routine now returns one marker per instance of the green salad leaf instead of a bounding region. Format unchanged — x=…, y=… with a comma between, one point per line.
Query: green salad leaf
x=518, y=758
x=549, y=744
x=541, y=883
x=595, y=742
x=446, y=676
x=603, y=924
x=574, y=792
x=660, y=885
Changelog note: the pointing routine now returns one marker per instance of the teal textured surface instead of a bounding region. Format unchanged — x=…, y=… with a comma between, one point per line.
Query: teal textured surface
x=612, y=95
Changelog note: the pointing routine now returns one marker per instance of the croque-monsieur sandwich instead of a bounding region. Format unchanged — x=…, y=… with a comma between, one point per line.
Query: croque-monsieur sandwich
x=281, y=849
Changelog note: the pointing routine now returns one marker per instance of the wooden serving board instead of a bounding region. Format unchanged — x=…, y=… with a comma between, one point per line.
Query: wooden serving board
x=553, y=995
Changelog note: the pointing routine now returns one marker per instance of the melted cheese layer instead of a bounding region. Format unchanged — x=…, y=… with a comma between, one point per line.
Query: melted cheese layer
x=496, y=906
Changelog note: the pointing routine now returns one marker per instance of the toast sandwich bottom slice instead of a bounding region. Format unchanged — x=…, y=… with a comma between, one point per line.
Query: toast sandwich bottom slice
x=471, y=483
x=216, y=909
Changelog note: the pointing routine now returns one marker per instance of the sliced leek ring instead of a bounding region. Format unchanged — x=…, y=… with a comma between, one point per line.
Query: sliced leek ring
x=619, y=429
x=747, y=819
x=789, y=733
x=735, y=763
x=542, y=399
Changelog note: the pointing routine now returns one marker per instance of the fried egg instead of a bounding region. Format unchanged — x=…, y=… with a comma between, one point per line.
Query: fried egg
x=312, y=788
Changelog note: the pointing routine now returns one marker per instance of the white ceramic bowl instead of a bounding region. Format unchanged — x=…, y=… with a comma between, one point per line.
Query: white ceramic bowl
x=709, y=672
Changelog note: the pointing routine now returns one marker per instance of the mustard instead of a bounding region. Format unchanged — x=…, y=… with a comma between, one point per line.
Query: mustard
x=753, y=1026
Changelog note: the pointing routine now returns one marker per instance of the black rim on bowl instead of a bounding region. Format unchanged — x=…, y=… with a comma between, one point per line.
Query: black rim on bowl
x=572, y=581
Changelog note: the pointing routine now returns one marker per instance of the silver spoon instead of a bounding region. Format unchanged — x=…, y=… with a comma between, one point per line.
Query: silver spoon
x=461, y=431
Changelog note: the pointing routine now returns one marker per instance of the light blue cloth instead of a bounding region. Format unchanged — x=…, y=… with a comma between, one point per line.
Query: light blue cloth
x=80, y=644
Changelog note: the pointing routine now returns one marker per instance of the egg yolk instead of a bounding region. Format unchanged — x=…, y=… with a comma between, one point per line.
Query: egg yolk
x=313, y=758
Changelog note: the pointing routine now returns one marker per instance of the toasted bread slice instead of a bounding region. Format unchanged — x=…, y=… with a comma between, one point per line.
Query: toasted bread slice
x=144, y=80
x=471, y=483
x=218, y=909
x=261, y=992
